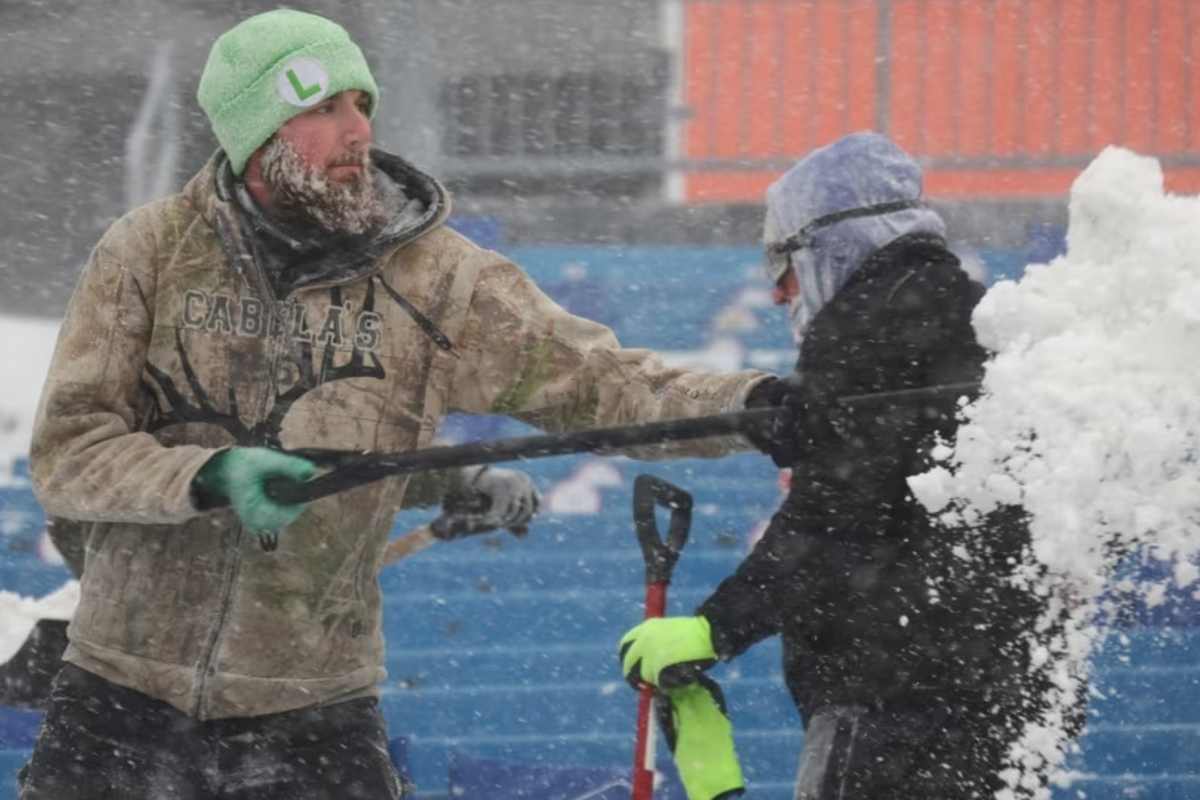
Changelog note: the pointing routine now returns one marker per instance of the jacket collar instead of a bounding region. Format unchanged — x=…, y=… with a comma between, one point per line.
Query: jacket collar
x=291, y=258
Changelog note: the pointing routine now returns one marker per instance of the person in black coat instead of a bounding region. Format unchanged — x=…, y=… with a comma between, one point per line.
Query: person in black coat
x=906, y=644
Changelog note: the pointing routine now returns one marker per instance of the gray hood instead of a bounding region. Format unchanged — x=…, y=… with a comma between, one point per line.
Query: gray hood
x=857, y=171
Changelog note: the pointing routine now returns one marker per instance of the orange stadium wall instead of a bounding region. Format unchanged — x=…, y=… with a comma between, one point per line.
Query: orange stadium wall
x=1000, y=99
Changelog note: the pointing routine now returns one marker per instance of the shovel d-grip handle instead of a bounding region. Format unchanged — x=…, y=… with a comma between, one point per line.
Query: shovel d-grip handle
x=660, y=556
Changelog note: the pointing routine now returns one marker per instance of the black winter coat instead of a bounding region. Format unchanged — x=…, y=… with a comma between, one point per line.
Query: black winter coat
x=876, y=604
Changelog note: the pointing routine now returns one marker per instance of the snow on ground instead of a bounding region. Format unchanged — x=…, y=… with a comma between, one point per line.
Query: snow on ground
x=1090, y=415
x=26, y=344
x=19, y=614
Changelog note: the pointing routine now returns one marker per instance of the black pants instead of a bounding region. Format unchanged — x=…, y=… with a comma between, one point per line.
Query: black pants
x=100, y=741
x=854, y=753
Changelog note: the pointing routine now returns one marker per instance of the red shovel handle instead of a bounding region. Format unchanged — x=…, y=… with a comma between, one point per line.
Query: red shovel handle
x=643, y=749
x=660, y=556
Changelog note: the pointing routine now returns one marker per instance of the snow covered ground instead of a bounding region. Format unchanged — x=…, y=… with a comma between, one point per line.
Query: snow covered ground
x=26, y=344
x=20, y=614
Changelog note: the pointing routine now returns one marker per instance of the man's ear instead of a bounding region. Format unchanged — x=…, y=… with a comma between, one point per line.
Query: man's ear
x=253, y=178
x=253, y=168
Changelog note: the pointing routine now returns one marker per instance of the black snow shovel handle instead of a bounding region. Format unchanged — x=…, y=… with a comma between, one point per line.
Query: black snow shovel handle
x=660, y=555
x=356, y=470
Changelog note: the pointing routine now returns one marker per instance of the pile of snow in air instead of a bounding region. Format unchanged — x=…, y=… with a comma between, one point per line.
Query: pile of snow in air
x=1090, y=415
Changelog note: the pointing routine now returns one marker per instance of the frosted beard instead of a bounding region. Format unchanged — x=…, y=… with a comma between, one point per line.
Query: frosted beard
x=301, y=193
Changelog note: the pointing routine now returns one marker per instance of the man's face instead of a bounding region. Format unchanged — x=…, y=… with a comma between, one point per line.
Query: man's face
x=333, y=137
x=786, y=289
x=317, y=166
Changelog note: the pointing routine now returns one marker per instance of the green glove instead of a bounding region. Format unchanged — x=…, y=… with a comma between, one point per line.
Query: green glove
x=697, y=728
x=681, y=645
x=238, y=476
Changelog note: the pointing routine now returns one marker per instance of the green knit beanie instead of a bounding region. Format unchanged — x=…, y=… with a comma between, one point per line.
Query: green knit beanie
x=271, y=67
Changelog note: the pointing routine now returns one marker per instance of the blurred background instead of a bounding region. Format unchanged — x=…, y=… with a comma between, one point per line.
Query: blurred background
x=618, y=150
x=615, y=122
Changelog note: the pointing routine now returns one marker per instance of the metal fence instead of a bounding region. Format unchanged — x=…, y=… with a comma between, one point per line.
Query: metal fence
x=1000, y=98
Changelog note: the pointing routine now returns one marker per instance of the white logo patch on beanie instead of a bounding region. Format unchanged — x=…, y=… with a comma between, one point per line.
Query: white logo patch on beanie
x=302, y=82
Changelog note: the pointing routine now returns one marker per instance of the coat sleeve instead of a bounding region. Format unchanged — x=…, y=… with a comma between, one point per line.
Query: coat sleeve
x=87, y=459
x=849, y=501
x=528, y=358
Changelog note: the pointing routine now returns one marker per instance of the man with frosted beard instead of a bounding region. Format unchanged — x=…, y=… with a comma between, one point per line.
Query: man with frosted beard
x=303, y=193
x=920, y=662
x=301, y=299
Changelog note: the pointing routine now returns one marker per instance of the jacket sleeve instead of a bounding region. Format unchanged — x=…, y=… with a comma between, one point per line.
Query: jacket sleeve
x=849, y=501
x=87, y=459
x=528, y=358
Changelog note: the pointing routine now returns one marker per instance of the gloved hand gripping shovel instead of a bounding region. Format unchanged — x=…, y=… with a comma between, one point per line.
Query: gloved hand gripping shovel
x=460, y=517
x=660, y=557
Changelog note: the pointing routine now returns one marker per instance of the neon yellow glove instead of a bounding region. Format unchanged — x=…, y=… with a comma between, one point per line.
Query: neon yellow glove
x=697, y=728
x=681, y=645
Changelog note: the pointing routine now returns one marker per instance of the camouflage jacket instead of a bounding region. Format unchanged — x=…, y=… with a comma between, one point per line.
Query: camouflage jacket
x=175, y=344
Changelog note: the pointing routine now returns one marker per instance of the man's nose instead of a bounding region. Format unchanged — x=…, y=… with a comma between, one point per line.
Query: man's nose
x=357, y=132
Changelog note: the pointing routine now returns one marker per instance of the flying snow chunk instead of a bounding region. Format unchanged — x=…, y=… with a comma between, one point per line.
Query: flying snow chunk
x=1089, y=419
x=1090, y=414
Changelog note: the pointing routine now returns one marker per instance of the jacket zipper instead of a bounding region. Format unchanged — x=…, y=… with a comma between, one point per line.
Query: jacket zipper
x=207, y=667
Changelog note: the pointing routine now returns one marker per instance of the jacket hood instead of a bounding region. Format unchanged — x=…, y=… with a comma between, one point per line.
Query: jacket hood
x=292, y=255
x=855, y=172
